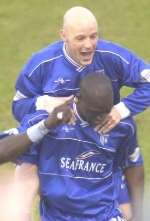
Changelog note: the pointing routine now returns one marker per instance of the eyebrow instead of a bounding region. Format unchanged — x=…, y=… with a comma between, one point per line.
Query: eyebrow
x=81, y=34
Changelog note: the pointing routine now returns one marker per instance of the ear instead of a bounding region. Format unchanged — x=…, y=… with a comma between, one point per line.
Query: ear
x=62, y=35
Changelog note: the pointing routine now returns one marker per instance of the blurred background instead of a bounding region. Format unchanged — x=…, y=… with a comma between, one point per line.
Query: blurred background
x=27, y=26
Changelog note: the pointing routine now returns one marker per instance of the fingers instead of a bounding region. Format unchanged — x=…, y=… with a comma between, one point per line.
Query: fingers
x=112, y=119
x=68, y=116
x=49, y=103
x=101, y=125
x=109, y=125
x=67, y=99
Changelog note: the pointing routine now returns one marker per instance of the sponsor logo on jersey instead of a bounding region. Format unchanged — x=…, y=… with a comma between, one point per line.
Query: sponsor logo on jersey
x=104, y=138
x=67, y=128
x=61, y=81
x=88, y=154
x=83, y=162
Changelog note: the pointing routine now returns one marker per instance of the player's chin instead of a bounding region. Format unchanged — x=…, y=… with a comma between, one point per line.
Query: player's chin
x=86, y=60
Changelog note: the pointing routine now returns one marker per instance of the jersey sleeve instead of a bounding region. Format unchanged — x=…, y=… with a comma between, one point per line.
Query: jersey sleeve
x=30, y=156
x=28, y=88
x=129, y=153
x=133, y=156
x=134, y=73
x=31, y=119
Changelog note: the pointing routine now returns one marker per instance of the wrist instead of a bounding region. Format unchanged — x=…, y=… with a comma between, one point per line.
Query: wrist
x=123, y=110
x=53, y=120
x=37, y=131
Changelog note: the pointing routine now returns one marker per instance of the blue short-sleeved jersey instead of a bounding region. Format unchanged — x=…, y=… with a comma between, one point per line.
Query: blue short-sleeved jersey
x=76, y=170
x=52, y=72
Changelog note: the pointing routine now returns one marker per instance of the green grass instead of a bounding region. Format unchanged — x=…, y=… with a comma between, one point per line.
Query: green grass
x=27, y=26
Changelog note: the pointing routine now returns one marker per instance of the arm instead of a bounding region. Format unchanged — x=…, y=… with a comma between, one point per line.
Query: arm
x=123, y=196
x=14, y=145
x=134, y=172
x=135, y=73
x=129, y=162
x=135, y=179
x=28, y=88
x=23, y=106
x=131, y=71
x=27, y=105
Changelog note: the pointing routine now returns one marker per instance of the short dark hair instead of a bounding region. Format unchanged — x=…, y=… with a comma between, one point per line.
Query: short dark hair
x=96, y=88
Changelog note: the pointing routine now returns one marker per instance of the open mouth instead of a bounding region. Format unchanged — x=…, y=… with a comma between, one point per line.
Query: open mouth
x=87, y=55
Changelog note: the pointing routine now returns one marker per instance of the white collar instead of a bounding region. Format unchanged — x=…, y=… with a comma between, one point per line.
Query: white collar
x=79, y=67
x=83, y=122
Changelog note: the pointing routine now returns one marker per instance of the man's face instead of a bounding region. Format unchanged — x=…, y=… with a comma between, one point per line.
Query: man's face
x=91, y=114
x=81, y=42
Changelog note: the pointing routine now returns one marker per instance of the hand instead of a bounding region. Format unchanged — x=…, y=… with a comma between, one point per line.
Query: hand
x=49, y=103
x=61, y=114
x=111, y=120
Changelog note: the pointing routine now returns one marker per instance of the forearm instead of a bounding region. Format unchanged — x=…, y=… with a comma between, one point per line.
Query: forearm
x=139, y=100
x=25, y=106
x=12, y=146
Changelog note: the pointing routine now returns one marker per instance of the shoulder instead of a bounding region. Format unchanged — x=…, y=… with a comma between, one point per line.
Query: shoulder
x=114, y=51
x=46, y=55
x=51, y=51
x=127, y=126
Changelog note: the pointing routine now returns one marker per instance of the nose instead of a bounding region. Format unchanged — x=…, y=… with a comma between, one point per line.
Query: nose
x=88, y=43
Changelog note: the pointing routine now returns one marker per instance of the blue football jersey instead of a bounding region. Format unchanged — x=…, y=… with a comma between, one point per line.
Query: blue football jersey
x=52, y=72
x=76, y=169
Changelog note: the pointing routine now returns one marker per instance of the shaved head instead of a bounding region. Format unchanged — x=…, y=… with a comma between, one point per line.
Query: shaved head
x=80, y=34
x=77, y=16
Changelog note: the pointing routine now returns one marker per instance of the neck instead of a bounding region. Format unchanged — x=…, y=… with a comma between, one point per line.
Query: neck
x=77, y=114
x=68, y=56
